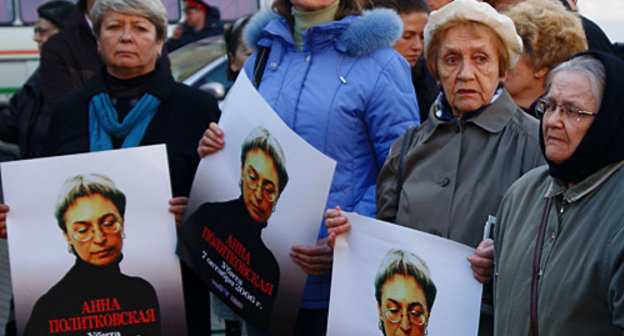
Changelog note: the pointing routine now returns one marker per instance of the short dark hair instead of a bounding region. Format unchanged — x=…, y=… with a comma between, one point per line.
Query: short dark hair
x=87, y=185
x=260, y=138
x=407, y=264
x=404, y=6
x=58, y=12
x=232, y=38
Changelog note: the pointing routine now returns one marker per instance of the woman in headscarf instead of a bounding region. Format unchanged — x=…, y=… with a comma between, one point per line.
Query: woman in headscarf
x=559, y=237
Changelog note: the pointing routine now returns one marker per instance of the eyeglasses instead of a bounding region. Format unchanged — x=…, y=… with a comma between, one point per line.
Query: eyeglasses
x=546, y=107
x=415, y=317
x=41, y=31
x=268, y=191
x=84, y=233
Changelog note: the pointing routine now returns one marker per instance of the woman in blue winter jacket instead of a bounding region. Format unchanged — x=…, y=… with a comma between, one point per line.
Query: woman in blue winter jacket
x=332, y=76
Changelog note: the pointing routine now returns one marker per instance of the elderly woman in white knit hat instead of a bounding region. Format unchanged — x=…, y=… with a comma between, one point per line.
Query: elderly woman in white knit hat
x=448, y=175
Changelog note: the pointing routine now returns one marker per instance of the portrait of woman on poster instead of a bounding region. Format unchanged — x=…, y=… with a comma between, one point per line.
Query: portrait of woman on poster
x=90, y=212
x=263, y=179
x=405, y=294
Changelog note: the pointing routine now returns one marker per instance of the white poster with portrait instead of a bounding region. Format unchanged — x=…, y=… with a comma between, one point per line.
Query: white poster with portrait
x=391, y=280
x=92, y=244
x=264, y=192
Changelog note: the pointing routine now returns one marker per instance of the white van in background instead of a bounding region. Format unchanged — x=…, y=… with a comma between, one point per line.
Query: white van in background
x=19, y=56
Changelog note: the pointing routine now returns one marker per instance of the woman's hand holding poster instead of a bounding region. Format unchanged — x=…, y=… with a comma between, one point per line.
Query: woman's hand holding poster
x=391, y=280
x=264, y=192
x=89, y=235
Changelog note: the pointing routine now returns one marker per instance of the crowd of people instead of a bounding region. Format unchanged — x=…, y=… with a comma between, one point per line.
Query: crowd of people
x=439, y=113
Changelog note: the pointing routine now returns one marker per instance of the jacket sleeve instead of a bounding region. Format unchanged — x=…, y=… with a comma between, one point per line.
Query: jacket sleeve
x=387, y=199
x=56, y=80
x=392, y=108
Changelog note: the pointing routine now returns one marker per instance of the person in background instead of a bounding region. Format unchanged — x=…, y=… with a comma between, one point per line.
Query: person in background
x=236, y=49
x=596, y=38
x=559, y=238
x=550, y=35
x=26, y=120
x=328, y=49
x=414, y=14
x=202, y=20
x=474, y=145
x=71, y=57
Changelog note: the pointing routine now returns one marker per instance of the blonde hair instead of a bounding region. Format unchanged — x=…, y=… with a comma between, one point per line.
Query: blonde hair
x=550, y=33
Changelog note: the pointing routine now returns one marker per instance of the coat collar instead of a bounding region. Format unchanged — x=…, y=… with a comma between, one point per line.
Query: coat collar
x=578, y=191
x=492, y=119
x=160, y=85
x=358, y=36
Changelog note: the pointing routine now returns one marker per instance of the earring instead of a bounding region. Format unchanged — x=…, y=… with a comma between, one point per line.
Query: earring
x=381, y=326
x=123, y=235
x=70, y=249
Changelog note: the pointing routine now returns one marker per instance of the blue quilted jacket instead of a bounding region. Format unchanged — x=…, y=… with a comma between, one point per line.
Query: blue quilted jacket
x=347, y=93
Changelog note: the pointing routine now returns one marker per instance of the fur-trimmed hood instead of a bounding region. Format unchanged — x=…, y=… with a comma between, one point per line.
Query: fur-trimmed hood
x=376, y=28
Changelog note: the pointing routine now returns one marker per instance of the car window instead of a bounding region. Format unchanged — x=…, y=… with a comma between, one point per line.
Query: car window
x=231, y=10
x=191, y=58
x=28, y=9
x=6, y=12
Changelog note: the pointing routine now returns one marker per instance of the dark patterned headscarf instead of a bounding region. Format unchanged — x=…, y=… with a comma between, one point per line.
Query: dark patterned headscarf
x=603, y=143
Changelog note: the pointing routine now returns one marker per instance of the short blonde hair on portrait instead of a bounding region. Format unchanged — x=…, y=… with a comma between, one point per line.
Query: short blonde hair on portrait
x=550, y=33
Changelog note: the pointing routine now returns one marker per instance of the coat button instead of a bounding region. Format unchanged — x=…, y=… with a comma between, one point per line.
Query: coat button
x=273, y=64
x=307, y=58
x=445, y=181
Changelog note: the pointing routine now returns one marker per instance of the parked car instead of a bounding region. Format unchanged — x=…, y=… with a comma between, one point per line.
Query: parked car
x=202, y=64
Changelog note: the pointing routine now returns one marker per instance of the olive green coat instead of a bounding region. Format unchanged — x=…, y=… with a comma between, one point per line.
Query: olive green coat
x=581, y=288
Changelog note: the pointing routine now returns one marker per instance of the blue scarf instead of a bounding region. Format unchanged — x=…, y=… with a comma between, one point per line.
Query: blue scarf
x=103, y=122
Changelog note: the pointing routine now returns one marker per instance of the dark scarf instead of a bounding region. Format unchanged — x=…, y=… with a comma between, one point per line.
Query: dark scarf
x=604, y=141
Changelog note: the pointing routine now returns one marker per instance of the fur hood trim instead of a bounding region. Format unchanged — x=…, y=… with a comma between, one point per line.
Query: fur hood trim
x=380, y=27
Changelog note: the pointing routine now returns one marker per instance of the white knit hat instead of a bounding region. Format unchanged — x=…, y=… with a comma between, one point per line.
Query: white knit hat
x=479, y=12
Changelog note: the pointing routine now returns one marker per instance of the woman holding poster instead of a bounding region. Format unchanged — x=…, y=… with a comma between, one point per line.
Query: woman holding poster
x=223, y=239
x=133, y=101
x=332, y=76
x=94, y=295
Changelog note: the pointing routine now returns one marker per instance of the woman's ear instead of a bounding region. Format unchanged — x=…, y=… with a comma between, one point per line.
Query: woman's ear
x=541, y=73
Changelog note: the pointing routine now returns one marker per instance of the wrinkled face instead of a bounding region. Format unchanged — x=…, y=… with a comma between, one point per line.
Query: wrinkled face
x=44, y=29
x=563, y=135
x=260, y=185
x=412, y=42
x=94, y=228
x=468, y=67
x=311, y=5
x=402, y=296
x=521, y=77
x=436, y=4
x=240, y=56
x=128, y=44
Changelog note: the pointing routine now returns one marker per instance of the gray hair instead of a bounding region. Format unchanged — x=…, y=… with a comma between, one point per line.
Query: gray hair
x=87, y=185
x=407, y=264
x=260, y=138
x=587, y=66
x=153, y=10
